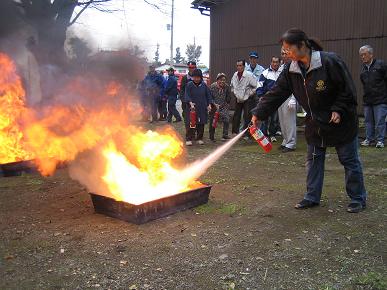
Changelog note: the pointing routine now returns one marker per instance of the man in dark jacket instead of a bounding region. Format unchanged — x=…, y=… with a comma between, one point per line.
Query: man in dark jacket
x=153, y=85
x=322, y=84
x=374, y=79
x=184, y=104
x=199, y=97
x=266, y=81
x=171, y=92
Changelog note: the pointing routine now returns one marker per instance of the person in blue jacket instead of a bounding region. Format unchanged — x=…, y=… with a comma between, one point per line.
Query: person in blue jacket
x=141, y=91
x=153, y=84
x=171, y=92
x=162, y=101
x=198, y=95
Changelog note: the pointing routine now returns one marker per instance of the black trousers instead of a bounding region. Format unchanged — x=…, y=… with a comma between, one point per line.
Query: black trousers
x=211, y=130
x=172, y=111
x=271, y=126
x=162, y=108
x=186, y=109
x=244, y=107
x=197, y=132
x=153, y=105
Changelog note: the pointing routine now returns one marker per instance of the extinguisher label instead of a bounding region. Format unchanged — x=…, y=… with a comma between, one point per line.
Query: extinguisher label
x=259, y=134
x=265, y=141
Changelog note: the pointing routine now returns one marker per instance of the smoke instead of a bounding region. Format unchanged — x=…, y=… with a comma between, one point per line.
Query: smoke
x=88, y=169
x=10, y=20
x=85, y=104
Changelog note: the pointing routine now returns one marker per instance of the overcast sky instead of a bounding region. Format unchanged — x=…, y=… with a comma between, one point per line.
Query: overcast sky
x=136, y=22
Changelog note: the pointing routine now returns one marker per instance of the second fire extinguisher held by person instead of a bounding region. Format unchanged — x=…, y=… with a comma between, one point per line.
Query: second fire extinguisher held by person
x=198, y=95
x=221, y=95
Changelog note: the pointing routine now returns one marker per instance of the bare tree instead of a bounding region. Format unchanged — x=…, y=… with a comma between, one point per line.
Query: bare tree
x=51, y=19
x=193, y=52
x=178, y=58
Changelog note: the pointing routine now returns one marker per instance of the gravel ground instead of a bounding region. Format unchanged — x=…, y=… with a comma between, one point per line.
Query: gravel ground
x=247, y=237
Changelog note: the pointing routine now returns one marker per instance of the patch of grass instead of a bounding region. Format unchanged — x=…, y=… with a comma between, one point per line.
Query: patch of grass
x=224, y=208
x=229, y=209
x=372, y=280
x=23, y=180
x=35, y=182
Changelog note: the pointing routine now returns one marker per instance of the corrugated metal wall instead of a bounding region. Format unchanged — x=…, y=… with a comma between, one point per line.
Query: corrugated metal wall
x=240, y=26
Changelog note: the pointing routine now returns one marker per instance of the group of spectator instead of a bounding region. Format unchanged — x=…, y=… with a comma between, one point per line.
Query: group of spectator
x=319, y=81
x=156, y=94
x=249, y=83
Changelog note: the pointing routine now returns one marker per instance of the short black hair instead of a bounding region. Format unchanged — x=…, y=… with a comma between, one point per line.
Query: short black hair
x=274, y=56
x=242, y=61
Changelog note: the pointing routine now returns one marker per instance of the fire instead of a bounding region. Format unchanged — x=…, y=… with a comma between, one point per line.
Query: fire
x=90, y=130
x=12, y=107
x=150, y=174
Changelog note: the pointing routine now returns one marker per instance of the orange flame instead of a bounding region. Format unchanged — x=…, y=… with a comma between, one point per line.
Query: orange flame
x=12, y=99
x=125, y=162
x=150, y=174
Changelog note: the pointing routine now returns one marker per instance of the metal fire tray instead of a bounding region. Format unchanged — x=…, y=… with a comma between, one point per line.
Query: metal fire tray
x=142, y=213
x=17, y=168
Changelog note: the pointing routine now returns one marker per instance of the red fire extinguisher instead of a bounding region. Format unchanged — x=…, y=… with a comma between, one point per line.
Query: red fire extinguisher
x=216, y=119
x=192, y=118
x=262, y=140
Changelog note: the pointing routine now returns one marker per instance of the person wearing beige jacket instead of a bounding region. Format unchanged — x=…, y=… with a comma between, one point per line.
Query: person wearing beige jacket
x=243, y=85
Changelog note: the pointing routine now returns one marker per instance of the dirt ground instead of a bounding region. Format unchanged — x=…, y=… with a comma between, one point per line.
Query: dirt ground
x=248, y=236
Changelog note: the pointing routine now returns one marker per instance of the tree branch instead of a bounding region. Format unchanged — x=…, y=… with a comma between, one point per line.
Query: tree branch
x=157, y=7
x=80, y=12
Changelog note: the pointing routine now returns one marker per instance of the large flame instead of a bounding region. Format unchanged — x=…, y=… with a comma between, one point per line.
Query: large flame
x=12, y=99
x=93, y=134
x=150, y=175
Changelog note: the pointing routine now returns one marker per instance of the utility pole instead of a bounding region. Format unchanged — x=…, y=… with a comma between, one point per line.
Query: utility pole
x=172, y=16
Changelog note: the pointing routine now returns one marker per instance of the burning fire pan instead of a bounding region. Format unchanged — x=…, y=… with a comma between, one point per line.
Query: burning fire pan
x=139, y=214
x=17, y=168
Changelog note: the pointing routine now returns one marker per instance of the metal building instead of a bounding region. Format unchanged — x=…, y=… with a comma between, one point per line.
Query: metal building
x=240, y=26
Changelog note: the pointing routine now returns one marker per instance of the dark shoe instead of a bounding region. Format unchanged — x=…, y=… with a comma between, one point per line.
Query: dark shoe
x=177, y=121
x=213, y=140
x=281, y=147
x=286, y=150
x=304, y=204
x=355, y=207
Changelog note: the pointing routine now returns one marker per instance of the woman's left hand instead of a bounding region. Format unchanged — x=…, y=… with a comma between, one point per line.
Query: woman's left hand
x=336, y=118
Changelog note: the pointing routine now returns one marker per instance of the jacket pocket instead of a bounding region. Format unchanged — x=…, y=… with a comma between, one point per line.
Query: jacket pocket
x=323, y=123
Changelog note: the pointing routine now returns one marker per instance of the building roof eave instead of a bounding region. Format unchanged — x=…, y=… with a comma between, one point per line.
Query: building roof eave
x=204, y=6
